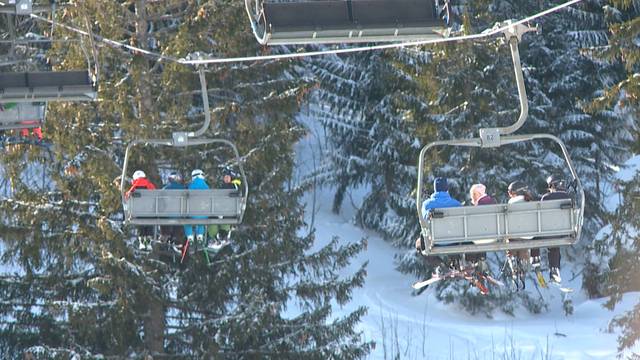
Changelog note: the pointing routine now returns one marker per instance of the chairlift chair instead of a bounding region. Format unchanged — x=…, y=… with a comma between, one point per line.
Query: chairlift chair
x=179, y=207
x=46, y=86
x=345, y=21
x=460, y=230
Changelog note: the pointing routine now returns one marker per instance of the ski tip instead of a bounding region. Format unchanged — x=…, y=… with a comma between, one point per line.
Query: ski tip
x=418, y=286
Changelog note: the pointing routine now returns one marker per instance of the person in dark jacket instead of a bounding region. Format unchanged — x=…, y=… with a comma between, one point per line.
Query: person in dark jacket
x=439, y=199
x=556, y=191
x=172, y=234
x=220, y=233
x=145, y=233
x=479, y=196
x=519, y=192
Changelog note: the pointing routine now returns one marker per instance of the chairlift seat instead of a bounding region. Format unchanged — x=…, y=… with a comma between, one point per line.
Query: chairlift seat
x=178, y=207
x=347, y=21
x=46, y=86
x=22, y=116
x=534, y=224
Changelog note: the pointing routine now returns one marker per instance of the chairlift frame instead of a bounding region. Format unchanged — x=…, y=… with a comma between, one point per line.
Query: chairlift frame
x=216, y=200
x=345, y=21
x=492, y=138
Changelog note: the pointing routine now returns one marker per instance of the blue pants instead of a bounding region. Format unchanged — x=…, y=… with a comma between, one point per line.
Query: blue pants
x=200, y=229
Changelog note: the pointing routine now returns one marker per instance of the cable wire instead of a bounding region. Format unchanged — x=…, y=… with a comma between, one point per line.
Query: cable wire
x=494, y=31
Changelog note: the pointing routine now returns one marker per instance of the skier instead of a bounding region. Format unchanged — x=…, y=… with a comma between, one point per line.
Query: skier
x=145, y=233
x=556, y=191
x=439, y=199
x=519, y=192
x=198, y=182
x=220, y=233
x=172, y=233
x=37, y=132
x=479, y=196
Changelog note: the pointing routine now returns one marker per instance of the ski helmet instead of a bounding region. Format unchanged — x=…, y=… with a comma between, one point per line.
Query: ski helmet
x=555, y=182
x=139, y=174
x=175, y=177
x=228, y=171
x=197, y=172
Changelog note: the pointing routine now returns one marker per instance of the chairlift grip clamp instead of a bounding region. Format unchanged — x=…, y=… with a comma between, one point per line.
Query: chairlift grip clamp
x=518, y=30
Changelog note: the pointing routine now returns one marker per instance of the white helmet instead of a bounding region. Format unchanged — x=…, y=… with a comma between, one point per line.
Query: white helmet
x=197, y=172
x=139, y=174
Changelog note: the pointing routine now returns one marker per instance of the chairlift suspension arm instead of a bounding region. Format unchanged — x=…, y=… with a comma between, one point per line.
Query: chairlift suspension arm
x=522, y=91
x=205, y=103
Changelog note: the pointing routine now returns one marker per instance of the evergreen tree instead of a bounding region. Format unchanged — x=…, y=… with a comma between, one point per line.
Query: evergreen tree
x=615, y=253
x=81, y=289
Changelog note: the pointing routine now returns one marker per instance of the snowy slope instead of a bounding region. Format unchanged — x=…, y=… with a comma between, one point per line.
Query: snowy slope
x=419, y=327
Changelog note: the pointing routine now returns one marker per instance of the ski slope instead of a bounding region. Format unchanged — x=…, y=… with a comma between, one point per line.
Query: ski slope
x=420, y=327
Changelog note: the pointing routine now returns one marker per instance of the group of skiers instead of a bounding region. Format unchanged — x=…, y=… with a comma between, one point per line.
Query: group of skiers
x=517, y=191
x=218, y=234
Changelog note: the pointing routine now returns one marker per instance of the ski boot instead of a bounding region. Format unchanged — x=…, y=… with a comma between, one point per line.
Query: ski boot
x=535, y=265
x=554, y=275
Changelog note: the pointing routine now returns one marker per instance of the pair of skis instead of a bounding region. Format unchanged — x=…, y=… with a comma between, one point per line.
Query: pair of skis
x=479, y=280
x=470, y=274
x=206, y=250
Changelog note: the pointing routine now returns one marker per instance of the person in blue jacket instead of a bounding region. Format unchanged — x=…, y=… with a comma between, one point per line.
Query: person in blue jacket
x=440, y=198
x=197, y=183
x=173, y=234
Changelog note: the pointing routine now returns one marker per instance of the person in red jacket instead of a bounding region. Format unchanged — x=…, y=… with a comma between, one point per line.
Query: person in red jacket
x=145, y=233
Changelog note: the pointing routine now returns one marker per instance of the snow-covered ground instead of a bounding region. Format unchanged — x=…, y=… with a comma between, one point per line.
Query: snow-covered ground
x=419, y=327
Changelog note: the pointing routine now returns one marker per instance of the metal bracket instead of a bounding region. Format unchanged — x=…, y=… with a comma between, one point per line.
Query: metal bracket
x=517, y=30
x=180, y=138
x=490, y=137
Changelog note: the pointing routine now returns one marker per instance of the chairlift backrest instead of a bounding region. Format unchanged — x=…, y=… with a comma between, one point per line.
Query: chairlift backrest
x=490, y=227
x=167, y=207
x=46, y=86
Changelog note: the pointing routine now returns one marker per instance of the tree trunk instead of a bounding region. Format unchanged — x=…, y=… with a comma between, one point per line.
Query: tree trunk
x=154, y=323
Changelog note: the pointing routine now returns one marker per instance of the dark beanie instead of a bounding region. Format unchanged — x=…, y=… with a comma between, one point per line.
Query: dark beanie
x=440, y=184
